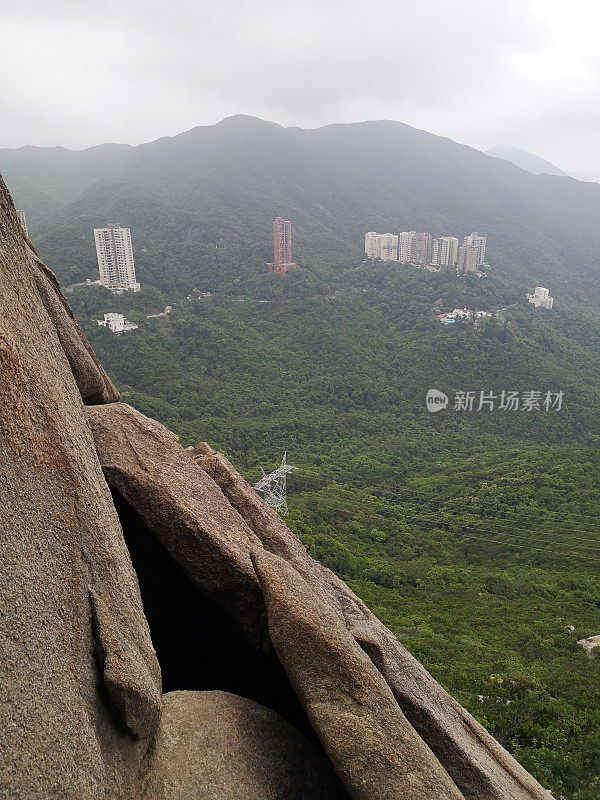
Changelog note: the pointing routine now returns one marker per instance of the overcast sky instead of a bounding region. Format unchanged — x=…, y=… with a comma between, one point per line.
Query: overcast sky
x=483, y=72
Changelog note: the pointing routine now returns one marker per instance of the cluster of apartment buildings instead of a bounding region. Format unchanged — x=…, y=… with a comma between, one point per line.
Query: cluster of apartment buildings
x=421, y=249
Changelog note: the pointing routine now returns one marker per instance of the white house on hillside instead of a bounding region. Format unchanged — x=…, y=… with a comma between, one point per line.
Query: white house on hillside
x=541, y=298
x=117, y=323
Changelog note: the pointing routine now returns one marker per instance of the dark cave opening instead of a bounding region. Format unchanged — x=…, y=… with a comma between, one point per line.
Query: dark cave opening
x=199, y=647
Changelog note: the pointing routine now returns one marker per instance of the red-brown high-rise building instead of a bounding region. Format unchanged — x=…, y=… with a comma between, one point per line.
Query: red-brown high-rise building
x=282, y=247
x=282, y=241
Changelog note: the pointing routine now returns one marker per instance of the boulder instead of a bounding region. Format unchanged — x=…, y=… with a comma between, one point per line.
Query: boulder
x=61, y=734
x=135, y=451
x=145, y=463
x=217, y=746
x=94, y=384
x=375, y=750
x=129, y=679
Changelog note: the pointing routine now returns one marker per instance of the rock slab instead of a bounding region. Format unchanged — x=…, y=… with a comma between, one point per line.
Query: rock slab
x=61, y=736
x=217, y=746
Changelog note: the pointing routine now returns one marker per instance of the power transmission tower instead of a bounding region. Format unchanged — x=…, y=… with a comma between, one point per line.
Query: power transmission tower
x=274, y=486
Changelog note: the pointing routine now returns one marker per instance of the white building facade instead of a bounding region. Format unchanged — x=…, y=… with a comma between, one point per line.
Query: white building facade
x=405, y=241
x=389, y=247
x=468, y=258
x=114, y=322
x=115, y=258
x=480, y=243
x=444, y=251
x=117, y=323
x=381, y=245
x=541, y=298
x=373, y=244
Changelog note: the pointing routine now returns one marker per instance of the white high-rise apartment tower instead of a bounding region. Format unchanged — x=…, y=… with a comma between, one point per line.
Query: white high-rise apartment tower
x=447, y=251
x=468, y=258
x=115, y=258
x=23, y=221
x=480, y=242
x=381, y=245
x=373, y=244
x=405, y=241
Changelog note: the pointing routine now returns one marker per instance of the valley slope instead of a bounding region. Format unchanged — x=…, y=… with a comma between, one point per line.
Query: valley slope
x=474, y=536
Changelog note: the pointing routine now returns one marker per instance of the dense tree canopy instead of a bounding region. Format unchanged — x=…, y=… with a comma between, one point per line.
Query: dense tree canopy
x=474, y=536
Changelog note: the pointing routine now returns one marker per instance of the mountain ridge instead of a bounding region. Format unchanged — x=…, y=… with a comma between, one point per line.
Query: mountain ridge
x=526, y=160
x=184, y=195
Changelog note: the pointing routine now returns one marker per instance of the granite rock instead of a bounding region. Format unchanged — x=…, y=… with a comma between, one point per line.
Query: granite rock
x=60, y=733
x=217, y=746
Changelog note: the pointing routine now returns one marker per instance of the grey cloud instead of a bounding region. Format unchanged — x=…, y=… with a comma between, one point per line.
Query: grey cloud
x=448, y=67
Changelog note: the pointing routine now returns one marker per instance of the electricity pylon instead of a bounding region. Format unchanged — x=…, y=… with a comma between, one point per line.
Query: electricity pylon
x=274, y=486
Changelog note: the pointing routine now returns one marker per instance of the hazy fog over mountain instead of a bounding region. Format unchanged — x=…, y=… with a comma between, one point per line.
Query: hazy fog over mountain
x=587, y=176
x=523, y=71
x=525, y=160
x=226, y=183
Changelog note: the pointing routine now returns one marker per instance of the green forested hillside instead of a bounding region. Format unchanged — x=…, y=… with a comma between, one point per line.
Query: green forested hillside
x=364, y=352
x=474, y=535
x=200, y=204
x=46, y=178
